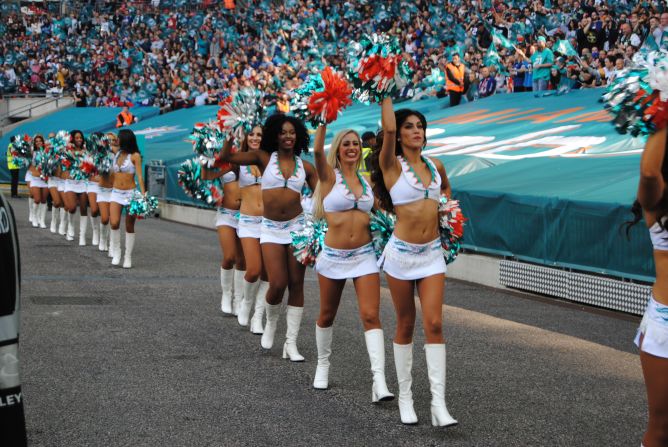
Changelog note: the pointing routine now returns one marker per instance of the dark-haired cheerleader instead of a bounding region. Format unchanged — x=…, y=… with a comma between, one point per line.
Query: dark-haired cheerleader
x=284, y=138
x=75, y=189
x=411, y=184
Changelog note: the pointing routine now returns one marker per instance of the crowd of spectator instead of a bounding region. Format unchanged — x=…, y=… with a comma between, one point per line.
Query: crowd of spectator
x=174, y=55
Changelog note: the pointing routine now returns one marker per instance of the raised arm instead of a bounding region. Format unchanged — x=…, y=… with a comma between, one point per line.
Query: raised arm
x=311, y=175
x=136, y=160
x=258, y=158
x=387, y=158
x=210, y=174
x=651, y=185
x=323, y=169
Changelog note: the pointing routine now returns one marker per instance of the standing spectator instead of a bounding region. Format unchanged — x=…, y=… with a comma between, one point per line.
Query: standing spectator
x=628, y=37
x=520, y=68
x=541, y=61
x=454, y=80
x=487, y=85
x=13, y=169
x=660, y=33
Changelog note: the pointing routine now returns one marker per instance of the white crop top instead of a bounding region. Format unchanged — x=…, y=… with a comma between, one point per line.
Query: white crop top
x=658, y=236
x=409, y=187
x=246, y=177
x=273, y=177
x=127, y=167
x=341, y=198
x=229, y=177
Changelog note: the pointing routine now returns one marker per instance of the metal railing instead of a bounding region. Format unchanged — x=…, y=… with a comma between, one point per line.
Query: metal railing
x=28, y=108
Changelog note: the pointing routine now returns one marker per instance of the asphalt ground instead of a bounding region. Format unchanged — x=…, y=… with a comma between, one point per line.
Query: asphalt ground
x=144, y=357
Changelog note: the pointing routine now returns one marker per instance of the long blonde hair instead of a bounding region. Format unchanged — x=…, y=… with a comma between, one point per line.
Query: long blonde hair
x=335, y=163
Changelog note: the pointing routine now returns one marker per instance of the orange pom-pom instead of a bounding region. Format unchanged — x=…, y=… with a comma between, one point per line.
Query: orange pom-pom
x=326, y=105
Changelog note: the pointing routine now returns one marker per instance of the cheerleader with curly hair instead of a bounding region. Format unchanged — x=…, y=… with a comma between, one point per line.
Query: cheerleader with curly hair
x=344, y=198
x=284, y=173
x=39, y=189
x=55, y=184
x=410, y=185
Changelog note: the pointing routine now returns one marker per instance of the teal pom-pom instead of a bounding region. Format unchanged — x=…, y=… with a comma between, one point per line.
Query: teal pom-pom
x=307, y=243
x=299, y=102
x=22, y=150
x=142, y=205
x=189, y=177
x=99, y=147
x=381, y=226
x=207, y=142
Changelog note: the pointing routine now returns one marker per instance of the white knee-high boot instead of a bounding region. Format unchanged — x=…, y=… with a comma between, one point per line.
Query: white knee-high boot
x=31, y=211
x=238, y=290
x=129, y=246
x=62, y=229
x=70, y=227
x=294, y=320
x=115, y=246
x=54, y=219
x=83, y=224
x=323, y=340
x=256, y=326
x=375, y=346
x=250, y=290
x=440, y=417
x=104, y=237
x=227, y=284
x=403, y=362
x=34, y=213
x=43, y=208
x=95, y=225
x=273, y=311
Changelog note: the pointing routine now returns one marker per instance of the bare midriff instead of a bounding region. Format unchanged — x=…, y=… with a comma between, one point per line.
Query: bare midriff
x=281, y=204
x=106, y=181
x=231, y=196
x=660, y=289
x=417, y=222
x=251, y=201
x=124, y=180
x=347, y=230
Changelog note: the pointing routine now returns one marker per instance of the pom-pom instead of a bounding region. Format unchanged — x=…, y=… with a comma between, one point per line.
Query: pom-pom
x=21, y=150
x=326, y=105
x=142, y=205
x=307, y=243
x=207, y=141
x=381, y=225
x=377, y=68
x=637, y=97
x=240, y=114
x=451, y=226
x=99, y=147
x=189, y=177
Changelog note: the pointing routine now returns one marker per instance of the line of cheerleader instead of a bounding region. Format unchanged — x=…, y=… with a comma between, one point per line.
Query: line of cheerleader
x=352, y=227
x=96, y=176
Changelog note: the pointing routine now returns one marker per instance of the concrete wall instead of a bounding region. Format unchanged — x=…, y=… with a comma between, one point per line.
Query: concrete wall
x=19, y=107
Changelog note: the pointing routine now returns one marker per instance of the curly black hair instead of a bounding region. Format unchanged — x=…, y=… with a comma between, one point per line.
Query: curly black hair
x=273, y=127
x=73, y=133
x=377, y=180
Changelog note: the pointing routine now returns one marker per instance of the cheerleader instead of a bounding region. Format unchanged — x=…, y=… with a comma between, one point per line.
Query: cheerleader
x=61, y=174
x=126, y=168
x=344, y=198
x=105, y=185
x=410, y=184
x=250, y=222
x=651, y=338
x=39, y=189
x=92, y=191
x=232, y=267
x=75, y=190
x=54, y=182
x=284, y=138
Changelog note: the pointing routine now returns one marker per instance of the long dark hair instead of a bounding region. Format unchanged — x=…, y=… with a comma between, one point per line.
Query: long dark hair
x=273, y=127
x=73, y=133
x=127, y=141
x=662, y=207
x=377, y=180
